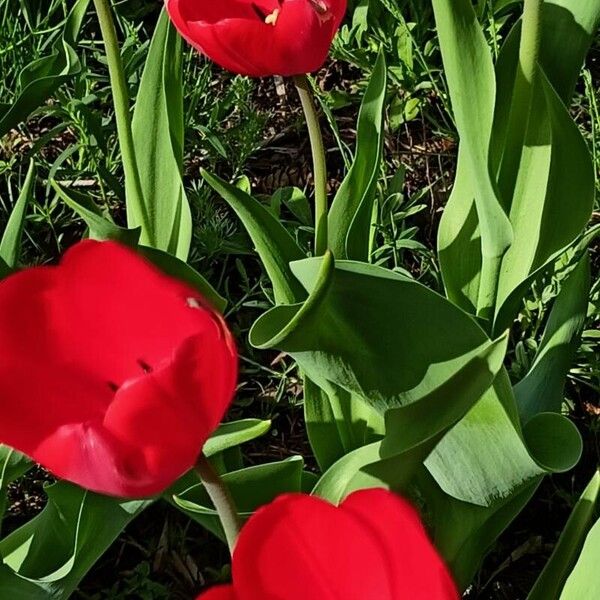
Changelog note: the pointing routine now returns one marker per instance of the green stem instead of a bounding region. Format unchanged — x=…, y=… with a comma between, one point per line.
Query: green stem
x=319, y=162
x=221, y=498
x=133, y=184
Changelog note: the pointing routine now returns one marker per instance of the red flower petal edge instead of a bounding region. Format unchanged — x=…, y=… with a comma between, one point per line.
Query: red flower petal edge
x=261, y=37
x=112, y=375
x=373, y=547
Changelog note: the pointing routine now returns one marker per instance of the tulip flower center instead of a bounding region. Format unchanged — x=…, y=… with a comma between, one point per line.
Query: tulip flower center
x=272, y=18
x=321, y=7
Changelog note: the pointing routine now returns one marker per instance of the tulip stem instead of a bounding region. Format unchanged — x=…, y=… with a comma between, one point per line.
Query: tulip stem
x=221, y=497
x=133, y=184
x=319, y=163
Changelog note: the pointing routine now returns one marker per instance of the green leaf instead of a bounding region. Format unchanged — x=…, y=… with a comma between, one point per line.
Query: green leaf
x=234, y=433
x=471, y=81
x=158, y=139
x=583, y=583
x=296, y=201
x=338, y=421
x=369, y=331
x=250, y=488
x=74, y=21
x=412, y=431
x=463, y=532
x=568, y=547
x=553, y=196
x=486, y=458
x=326, y=440
x=350, y=213
x=459, y=242
x=101, y=226
x=568, y=30
x=48, y=556
x=10, y=246
x=273, y=243
x=542, y=389
x=42, y=77
x=174, y=267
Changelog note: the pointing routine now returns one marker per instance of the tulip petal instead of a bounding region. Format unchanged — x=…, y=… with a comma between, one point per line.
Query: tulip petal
x=221, y=592
x=112, y=375
x=250, y=38
x=415, y=567
x=301, y=545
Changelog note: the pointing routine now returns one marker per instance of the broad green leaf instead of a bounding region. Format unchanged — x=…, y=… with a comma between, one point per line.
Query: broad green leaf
x=368, y=330
x=459, y=242
x=334, y=483
x=568, y=547
x=568, y=30
x=296, y=201
x=234, y=433
x=584, y=581
x=338, y=421
x=412, y=431
x=37, y=82
x=554, y=192
x=542, y=389
x=486, y=458
x=567, y=33
x=174, y=267
x=350, y=214
x=462, y=532
x=10, y=246
x=324, y=435
x=158, y=140
x=250, y=488
x=273, y=243
x=99, y=222
x=74, y=21
x=48, y=556
x=470, y=73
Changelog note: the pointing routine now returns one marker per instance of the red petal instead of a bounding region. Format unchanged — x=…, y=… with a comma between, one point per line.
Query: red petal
x=415, y=567
x=221, y=592
x=302, y=547
x=234, y=36
x=71, y=334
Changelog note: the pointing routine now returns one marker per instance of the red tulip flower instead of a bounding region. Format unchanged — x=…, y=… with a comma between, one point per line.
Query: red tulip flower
x=261, y=37
x=373, y=547
x=112, y=375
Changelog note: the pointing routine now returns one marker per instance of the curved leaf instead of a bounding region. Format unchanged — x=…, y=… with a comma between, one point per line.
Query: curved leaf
x=273, y=243
x=583, y=583
x=568, y=547
x=470, y=73
x=157, y=128
x=10, y=246
x=48, y=556
x=350, y=214
x=250, y=488
x=542, y=389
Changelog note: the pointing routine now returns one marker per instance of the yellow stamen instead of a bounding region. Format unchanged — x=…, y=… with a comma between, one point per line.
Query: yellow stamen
x=272, y=18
